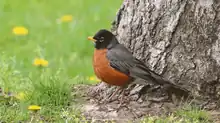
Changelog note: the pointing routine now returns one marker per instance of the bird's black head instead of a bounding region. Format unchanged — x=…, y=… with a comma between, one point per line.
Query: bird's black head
x=103, y=39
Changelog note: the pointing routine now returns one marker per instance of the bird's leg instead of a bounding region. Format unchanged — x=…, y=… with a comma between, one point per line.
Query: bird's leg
x=118, y=89
x=121, y=99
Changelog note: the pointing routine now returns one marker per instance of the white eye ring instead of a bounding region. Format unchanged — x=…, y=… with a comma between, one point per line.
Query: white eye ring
x=101, y=39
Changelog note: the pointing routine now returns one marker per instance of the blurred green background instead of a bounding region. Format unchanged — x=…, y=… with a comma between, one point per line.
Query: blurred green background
x=63, y=44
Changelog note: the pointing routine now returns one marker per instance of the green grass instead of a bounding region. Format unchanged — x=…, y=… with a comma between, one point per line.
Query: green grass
x=63, y=45
x=187, y=114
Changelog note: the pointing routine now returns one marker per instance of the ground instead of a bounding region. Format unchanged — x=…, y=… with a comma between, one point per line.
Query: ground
x=44, y=52
x=138, y=110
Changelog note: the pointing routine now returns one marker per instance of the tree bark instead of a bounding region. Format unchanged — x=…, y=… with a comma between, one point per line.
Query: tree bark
x=178, y=39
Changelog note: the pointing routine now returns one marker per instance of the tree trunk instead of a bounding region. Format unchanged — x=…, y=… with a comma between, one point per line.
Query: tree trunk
x=179, y=39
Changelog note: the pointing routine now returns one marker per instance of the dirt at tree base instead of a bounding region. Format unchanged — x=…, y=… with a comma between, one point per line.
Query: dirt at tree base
x=134, y=107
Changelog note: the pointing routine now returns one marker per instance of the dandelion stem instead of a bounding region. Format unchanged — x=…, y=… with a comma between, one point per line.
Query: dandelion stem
x=66, y=121
x=32, y=118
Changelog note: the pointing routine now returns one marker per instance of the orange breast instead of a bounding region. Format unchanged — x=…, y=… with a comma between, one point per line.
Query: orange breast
x=105, y=72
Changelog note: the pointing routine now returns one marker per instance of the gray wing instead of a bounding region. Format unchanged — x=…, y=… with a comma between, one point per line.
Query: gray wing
x=121, y=59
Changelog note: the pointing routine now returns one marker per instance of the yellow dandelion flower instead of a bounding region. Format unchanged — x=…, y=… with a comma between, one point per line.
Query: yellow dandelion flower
x=44, y=62
x=66, y=18
x=20, y=30
x=40, y=62
x=37, y=62
x=34, y=107
x=20, y=96
x=93, y=78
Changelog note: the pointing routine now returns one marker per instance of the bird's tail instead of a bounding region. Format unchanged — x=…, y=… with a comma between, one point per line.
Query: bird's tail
x=143, y=72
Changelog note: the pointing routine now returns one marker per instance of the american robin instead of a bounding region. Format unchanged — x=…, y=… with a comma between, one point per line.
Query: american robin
x=115, y=65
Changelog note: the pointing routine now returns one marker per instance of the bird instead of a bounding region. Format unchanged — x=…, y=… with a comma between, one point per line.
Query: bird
x=115, y=65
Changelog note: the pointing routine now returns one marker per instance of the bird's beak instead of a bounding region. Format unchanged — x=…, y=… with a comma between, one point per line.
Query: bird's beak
x=91, y=39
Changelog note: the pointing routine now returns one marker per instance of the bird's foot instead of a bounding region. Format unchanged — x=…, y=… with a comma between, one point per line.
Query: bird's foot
x=120, y=106
x=122, y=102
x=109, y=98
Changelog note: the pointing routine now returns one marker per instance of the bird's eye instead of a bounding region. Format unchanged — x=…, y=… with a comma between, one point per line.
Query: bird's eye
x=101, y=39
